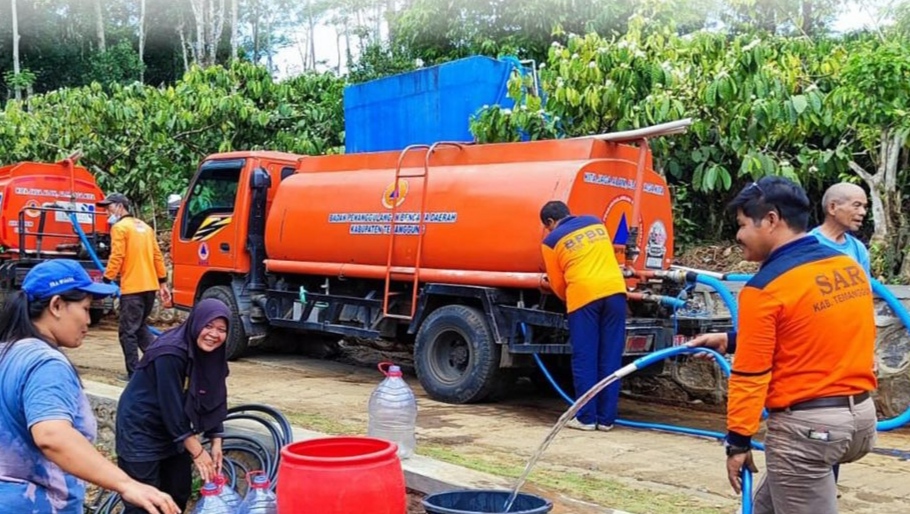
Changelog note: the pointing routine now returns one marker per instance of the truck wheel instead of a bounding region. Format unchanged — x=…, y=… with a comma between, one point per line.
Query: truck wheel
x=237, y=339
x=456, y=358
x=95, y=316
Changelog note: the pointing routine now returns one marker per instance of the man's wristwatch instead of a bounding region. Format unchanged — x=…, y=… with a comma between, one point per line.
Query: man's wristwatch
x=735, y=450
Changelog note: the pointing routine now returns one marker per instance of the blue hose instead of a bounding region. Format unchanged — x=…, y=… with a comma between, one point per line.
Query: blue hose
x=878, y=288
x=737, y=277
x=724, y=293
x=747, y=486
x=85, y=242
x=94, y=256
x=653, y=358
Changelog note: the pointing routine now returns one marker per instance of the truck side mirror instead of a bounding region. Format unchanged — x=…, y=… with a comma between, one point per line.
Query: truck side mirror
x=173, y=205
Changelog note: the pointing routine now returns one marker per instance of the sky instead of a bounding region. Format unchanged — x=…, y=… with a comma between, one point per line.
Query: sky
x=289, y=60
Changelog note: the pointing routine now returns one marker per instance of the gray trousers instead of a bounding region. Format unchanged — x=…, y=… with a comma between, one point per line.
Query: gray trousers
x=133, y=331
x=799, y=479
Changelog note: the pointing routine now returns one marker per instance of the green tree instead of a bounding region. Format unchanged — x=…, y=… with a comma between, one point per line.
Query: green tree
x=870, y=106
x=760, y=104
x=147, y=141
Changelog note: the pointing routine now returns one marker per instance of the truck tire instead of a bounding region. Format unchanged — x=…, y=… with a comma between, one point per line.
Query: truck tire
x=456, y=358
x=237, y=340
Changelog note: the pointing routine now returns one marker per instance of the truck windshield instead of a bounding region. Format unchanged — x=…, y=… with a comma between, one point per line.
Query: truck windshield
x=213, y=194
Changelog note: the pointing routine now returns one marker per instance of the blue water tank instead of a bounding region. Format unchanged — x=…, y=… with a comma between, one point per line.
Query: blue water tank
x=423, y=106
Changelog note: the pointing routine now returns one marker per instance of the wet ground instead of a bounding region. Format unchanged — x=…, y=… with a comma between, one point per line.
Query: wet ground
x=637, y=471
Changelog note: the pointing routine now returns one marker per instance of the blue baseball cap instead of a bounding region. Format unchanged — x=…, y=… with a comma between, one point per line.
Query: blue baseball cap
x=58, y=276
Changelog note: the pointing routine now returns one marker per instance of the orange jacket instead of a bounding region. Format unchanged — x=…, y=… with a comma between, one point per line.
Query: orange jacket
x=581, y=263
x=806, y=331
x=135, y=257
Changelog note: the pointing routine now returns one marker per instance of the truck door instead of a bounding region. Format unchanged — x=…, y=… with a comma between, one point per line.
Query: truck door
x=208, y=236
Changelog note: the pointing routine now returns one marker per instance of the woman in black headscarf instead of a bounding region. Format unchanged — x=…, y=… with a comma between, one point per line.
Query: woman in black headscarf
x=177, y=392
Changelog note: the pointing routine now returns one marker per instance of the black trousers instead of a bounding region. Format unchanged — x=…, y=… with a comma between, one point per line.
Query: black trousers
x=173, y=475
x=134, y=334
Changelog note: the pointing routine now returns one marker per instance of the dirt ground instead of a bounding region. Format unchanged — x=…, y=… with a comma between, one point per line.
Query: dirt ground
x=636, y=471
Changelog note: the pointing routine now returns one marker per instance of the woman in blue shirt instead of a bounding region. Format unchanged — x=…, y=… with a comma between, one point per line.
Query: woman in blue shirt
x=46, y=423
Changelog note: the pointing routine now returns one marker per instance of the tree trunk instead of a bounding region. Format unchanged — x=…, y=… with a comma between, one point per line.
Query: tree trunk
x=216, y=28
x=877, y=195
x=256, y=14
x=199, y=52
x=347, y=43
x=311, y=21
x=142, y=41
x=885, y=197
x=99, y=26
x=16, y=69
x=234, y=9
x=338, y=46
x=391, y=15
x=183, y=44
x=377, y=24
x=268, y=39
x=806, y=13
x=301, y=45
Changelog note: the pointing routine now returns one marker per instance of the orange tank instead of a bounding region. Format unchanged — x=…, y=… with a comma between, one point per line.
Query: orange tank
x=480, y=210
x=30, y=191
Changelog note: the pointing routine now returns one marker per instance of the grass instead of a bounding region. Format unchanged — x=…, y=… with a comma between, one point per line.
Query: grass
x=588, y=487
x=320, y=423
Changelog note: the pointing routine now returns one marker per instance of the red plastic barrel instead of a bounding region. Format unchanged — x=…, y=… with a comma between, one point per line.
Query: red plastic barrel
x=341, y=475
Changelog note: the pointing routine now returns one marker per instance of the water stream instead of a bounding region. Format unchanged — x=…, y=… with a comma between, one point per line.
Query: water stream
x=560, y=423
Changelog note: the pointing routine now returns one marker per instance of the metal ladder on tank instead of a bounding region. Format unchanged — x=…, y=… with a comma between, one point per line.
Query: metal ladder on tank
x=421, y=228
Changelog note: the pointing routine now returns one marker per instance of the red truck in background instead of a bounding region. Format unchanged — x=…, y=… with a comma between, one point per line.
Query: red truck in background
x=437, y=244
x=37, y=201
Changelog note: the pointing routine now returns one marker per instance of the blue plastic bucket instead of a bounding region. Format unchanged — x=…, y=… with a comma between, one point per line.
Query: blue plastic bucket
x=489, y=502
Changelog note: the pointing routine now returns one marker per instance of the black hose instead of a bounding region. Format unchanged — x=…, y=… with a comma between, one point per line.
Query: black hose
x=234, y=446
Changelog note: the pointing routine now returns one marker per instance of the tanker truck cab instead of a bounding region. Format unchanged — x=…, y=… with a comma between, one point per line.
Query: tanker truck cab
x=211, y=245
x=436, y=247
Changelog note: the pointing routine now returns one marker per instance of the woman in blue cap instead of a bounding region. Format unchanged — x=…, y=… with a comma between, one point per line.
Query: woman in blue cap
x=46, y=423
x=178, y=391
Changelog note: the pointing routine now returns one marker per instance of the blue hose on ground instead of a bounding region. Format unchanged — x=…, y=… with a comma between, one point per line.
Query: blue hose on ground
x=94, y=256
x=899, y=310
x=646, y=361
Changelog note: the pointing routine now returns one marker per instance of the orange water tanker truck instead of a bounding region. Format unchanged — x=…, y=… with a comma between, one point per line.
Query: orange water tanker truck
x=37, y=203
x=436, y=245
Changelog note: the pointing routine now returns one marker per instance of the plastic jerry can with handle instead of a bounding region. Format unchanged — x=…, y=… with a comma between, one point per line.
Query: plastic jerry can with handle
x=393, y=411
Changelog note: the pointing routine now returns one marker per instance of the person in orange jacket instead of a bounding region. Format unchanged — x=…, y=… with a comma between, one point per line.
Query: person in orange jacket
x=137, y=260
x=583, y=272
x=804, y=349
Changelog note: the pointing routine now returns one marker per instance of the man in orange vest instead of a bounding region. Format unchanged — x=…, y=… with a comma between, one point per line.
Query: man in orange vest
x=137, y=260
x=804, y=349
x=583, y=272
